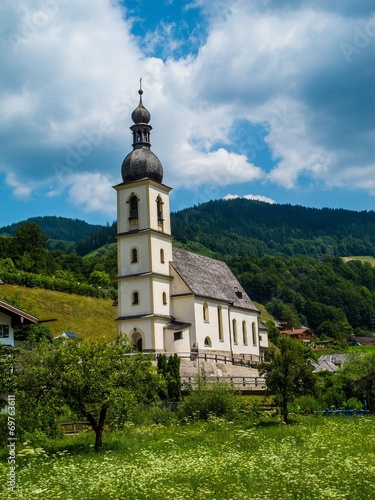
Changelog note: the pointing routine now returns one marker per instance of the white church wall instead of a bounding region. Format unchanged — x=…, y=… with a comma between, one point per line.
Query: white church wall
x=242, y=319
x=178, y=286
x=161, y=255
x=127, y=305
x=127, y=265
x=160, y=297
x=156, y=191
x=207, y=325
x=177, y=341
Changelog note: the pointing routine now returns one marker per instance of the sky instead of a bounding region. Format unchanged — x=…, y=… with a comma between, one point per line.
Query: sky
x=263, y=99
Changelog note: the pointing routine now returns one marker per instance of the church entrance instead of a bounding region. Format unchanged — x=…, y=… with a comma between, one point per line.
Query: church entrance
x=137, y=341
x=139, y=345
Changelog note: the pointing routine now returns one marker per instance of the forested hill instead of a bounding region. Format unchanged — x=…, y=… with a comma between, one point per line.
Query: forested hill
x=58, y=228
x=236, y=227
x=246, y=227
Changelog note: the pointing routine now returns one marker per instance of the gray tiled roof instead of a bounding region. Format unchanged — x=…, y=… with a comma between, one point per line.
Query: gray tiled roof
x=210, y=278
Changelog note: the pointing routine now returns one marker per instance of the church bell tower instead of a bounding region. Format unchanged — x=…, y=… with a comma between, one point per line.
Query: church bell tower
x=144, y=241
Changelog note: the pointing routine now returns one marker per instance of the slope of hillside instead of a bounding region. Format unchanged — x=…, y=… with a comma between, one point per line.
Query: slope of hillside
x=237, y=227
x=246, y=227
x=57, y=228
x=88, y=317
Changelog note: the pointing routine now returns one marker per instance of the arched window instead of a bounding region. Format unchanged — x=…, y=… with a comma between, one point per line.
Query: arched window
x=205, y=312
x=207, y=342
x=220, y=323
x=133, y=206
x=254, y=332
x=162, y=258
x=134, y=255
x=164, y=299
x=135, y=296
x=159, y=205
x=235, y=335
x=159, y=209
x=244, y=333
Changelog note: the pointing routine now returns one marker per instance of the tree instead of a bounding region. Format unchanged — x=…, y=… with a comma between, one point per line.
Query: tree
x=28, y=247
x=33, y=333
x=88, y=378
x=7, y=361
x=287, y=372
x=170, y=370
x=100, y=279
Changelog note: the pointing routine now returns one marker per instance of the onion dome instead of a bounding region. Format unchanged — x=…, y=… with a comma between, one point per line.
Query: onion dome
x=141, y=163
x=141, y=114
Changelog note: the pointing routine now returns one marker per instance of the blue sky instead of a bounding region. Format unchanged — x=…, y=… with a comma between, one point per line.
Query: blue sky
x=266, y=99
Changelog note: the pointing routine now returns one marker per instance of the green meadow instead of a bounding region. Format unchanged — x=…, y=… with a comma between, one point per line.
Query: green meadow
x=313, y=458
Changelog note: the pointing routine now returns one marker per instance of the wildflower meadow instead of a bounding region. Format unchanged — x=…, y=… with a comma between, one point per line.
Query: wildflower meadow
x=313, y=458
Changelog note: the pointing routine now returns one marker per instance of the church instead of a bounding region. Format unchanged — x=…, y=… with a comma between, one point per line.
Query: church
x=171, y=300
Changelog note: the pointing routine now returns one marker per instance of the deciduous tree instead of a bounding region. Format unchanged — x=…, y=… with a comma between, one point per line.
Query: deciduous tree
x=287, y=372
x=88, y=378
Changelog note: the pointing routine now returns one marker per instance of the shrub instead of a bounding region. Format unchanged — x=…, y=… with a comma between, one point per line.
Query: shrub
x=210, y=398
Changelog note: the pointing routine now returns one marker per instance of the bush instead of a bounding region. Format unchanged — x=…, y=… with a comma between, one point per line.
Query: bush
x=306, y=404
x=352, y=404
x=208, y=399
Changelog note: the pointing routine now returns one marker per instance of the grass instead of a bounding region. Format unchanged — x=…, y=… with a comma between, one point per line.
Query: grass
x=264, y=314
x=88, y=317
x=365, y=258
x=315, y=458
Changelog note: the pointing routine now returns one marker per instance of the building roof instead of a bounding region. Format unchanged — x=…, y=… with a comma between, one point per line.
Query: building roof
x=18, y=316
x=298, y=331
x=210, y=278
x=177, y=325
x=329, y=362
x=141, y=163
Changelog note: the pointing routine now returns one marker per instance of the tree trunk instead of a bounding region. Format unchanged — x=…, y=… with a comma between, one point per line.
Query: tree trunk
x=284, y=410
x=98, y=438
x=98, y=427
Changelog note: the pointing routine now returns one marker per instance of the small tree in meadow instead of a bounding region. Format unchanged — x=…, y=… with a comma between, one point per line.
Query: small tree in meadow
x=88, y=378
x=287, y=372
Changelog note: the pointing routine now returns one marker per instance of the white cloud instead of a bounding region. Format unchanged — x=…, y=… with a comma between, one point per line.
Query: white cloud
x=256, y=197
x=92, y=191
x=71, y=71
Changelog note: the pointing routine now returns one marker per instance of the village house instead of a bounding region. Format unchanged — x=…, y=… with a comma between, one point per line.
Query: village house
x=172, y=300
x=304, y=335
x=10, y=317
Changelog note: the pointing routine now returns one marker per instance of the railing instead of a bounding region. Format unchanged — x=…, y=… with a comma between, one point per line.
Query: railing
x=73, y=427
x=246, y=359
x=248, y=383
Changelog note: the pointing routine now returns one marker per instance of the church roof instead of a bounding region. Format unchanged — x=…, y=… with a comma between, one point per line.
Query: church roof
x=210, y=278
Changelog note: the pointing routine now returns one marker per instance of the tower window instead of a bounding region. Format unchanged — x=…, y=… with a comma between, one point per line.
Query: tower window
x=135, y=298
x=134, y=254
x=159, y=210
x=159, y=206
x=205, y=312
x=162, y=258
x=164, y=299
x=133, y=206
